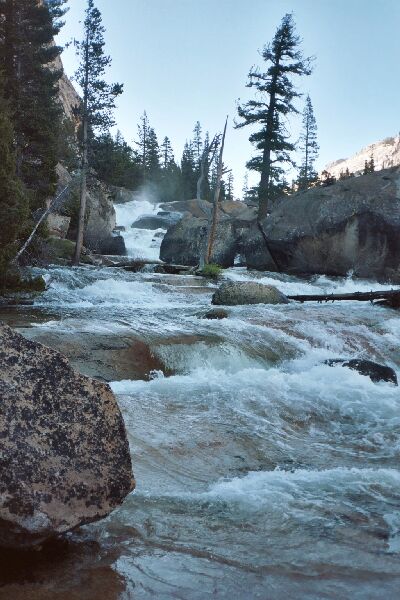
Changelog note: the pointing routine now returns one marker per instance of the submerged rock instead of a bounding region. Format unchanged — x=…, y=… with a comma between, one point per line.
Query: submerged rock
x=216, y=313
x=247, y=292
x=65, y=458
x=374, y=371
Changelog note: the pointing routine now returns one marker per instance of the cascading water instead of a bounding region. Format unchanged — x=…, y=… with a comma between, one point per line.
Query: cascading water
x=261, y=471
x=140, y=243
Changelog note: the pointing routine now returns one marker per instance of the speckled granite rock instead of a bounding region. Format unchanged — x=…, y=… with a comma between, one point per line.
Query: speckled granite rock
x=64, y=454
x=234, y=293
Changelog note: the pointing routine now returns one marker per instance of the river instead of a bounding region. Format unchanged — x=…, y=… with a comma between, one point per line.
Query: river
x=261, y=471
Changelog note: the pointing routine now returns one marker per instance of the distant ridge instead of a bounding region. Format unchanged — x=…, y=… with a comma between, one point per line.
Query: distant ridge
x=386, y=154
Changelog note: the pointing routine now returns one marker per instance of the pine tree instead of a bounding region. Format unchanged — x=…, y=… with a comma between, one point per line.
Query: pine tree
x=369, y=166
x=143, y=134
x=153, y=156
x=229, y=186
x=309, y=147
x=115, y=162
x=274, y=103
x=189, y=172
x=13, y=205
x=27, y=59
x=197, y=143
x=98, y=100
x=167, y=155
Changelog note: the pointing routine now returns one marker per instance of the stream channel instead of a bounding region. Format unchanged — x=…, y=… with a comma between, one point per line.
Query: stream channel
x=261, y=471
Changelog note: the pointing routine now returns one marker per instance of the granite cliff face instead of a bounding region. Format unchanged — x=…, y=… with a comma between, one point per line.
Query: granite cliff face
x=186, y=240
x=386, y=154
x=352, y=226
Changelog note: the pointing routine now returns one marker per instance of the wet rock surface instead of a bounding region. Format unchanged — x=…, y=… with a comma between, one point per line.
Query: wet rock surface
x=247, y=292
x=74, y=569
x=368, y=368
x=107, y=357
x=216, y=314
x=65, y=455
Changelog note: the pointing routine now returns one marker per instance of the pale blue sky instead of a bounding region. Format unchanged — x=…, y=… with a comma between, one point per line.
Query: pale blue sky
x=187, y=60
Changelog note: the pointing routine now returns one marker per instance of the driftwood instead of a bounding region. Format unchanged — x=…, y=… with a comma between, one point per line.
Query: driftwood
x=391, y=297
x=54, y=205
x=137, y=265
x=212, y=227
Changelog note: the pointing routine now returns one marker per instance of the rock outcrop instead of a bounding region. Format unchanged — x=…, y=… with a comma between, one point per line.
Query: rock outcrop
x=235, y=293
x=185, y=242
x=386, y=154
x=64, y=453
x=352, y=226
x=368, y=368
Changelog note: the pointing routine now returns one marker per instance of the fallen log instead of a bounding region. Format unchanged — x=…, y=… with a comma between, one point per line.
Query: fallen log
x=136, y=265
x=391, y=297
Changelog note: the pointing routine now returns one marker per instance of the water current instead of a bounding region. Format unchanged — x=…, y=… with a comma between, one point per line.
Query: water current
x=261, y=471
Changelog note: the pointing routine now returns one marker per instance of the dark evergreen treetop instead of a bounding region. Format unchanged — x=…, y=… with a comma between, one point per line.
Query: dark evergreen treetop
x=309, y=147
x=100, y=96
x=27, y=55
x=13, y=206
x=274, y=103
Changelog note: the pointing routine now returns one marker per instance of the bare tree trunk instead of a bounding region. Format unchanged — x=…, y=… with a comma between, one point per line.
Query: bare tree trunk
x=214, y=219
x=84, y=165
x=201, y=178
x=53, y=205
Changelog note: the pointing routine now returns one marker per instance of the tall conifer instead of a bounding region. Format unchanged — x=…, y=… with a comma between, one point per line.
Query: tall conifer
x=27, y=59
x=98, y=100
x=309, y=147
x=13, y=206
x=272, y=105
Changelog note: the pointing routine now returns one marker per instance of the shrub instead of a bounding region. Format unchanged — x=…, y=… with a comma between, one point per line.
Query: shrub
x=212, y=271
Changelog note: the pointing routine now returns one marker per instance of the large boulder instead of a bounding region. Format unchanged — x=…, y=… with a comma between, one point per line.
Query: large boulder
x=101, y=220
x=65, y=458
x=185, y=242
x=113, y=246
x=353, y=225
x=152, y=222
x=234, y=293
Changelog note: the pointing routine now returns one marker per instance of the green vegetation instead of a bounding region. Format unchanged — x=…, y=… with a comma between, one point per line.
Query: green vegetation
x=309, y=147
x=30, y=120
x=270, y=109
x=212, y=271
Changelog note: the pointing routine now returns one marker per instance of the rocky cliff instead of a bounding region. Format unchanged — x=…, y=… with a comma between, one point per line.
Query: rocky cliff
x=352, y=226
x=186, y=240
x=386, y=154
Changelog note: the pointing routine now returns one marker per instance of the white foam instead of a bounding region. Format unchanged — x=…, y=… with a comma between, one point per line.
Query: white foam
x=140, y=243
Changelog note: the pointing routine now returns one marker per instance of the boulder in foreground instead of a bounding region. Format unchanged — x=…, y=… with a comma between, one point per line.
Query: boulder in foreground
x=234, y=293
x=64, y=454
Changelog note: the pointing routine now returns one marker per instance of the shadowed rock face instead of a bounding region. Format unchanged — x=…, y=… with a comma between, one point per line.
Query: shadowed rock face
x=351, y=226
x=64, y=452
x=186, y=241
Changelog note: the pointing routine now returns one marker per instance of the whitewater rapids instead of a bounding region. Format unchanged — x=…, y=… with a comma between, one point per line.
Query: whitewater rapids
x=261, y=471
